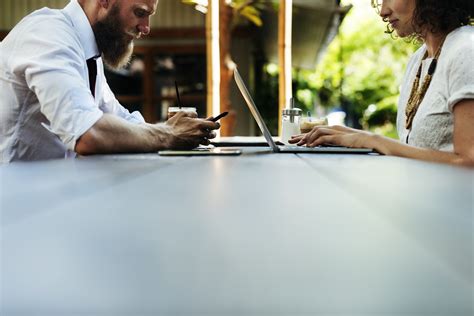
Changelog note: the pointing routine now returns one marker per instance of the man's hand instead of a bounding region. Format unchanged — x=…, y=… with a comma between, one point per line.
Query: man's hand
x=187, y=131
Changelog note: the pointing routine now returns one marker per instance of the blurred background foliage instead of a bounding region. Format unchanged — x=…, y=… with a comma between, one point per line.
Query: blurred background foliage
x=360, y=73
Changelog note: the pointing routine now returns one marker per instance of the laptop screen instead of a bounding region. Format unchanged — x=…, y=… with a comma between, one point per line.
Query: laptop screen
x=254, y=110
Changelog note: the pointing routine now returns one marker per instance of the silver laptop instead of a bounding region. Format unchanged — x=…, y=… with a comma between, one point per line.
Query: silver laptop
x=288, y=148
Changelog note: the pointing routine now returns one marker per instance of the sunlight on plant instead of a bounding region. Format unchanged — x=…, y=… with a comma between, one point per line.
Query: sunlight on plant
x=271, y=69
x=305, y=96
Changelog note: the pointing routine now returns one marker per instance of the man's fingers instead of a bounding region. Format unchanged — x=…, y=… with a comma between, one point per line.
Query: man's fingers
x=205, y=124
x=204, y=133
x=188, y=114
x=204, y=141
x=212, y=135
x=179, y=115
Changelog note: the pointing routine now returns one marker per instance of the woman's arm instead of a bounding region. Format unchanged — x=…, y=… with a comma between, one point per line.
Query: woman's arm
x=463, y=139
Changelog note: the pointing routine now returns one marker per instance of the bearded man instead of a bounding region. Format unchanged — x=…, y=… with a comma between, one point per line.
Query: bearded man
x=54, y=99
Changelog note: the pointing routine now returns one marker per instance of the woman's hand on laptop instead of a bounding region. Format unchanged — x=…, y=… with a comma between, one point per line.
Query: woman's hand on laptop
x=334, y=135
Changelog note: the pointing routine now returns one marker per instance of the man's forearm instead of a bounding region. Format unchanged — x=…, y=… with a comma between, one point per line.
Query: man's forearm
x=111, y=134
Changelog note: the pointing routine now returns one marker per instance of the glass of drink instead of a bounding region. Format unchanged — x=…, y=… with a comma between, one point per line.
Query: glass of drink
x=174, y=109
x=307, y=123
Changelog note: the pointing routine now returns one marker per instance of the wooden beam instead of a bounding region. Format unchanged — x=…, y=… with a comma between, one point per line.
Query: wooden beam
x=284, y=56
x=213, y=58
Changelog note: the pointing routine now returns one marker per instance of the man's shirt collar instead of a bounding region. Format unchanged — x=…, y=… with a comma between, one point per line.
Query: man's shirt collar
x=84, y=29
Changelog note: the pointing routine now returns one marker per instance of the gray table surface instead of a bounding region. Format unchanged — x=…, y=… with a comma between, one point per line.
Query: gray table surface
x=257, y=234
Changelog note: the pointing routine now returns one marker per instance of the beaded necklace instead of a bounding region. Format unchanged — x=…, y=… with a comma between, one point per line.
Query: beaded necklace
x=417, y=95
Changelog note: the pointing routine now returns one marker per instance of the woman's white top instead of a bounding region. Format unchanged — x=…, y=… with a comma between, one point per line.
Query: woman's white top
x=452, y=82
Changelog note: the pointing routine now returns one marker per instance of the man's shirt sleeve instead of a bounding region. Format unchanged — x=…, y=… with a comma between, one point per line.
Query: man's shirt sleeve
x=55, y=70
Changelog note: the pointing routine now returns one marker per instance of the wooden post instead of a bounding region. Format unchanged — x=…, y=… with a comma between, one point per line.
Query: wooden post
x=284, y=56
x=226, y=66
x=213, y=58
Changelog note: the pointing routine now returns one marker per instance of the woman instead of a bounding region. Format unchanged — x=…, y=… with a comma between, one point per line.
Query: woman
x=435, y=119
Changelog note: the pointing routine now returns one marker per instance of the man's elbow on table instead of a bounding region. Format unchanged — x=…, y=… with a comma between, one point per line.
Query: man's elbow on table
x=109, y=134
x=88, y=143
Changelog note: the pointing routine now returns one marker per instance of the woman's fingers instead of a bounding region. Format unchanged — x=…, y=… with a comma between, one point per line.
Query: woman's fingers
x=326, y=139
x=296, y=138
x=318, y=133
x=315, y=135
x=334, y=135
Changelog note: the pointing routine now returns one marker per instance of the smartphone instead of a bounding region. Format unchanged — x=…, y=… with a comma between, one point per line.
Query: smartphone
x=215, y=119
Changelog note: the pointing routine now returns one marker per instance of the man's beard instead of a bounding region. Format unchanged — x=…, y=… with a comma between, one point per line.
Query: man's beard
x=114, y=45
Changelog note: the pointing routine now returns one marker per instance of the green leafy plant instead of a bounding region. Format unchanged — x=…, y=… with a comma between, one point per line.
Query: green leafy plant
x=248, y=9
x=362, y=67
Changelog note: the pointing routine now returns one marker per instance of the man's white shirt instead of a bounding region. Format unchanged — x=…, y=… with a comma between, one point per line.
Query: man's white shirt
x=46, y=103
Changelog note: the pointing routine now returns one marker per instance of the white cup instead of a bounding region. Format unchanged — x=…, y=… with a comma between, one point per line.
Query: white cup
x=174, y=109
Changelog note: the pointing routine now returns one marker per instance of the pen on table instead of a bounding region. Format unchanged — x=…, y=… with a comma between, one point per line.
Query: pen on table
x=177, y=94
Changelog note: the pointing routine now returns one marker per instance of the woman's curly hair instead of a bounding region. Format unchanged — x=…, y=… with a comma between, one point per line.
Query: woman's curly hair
x=440, y=16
